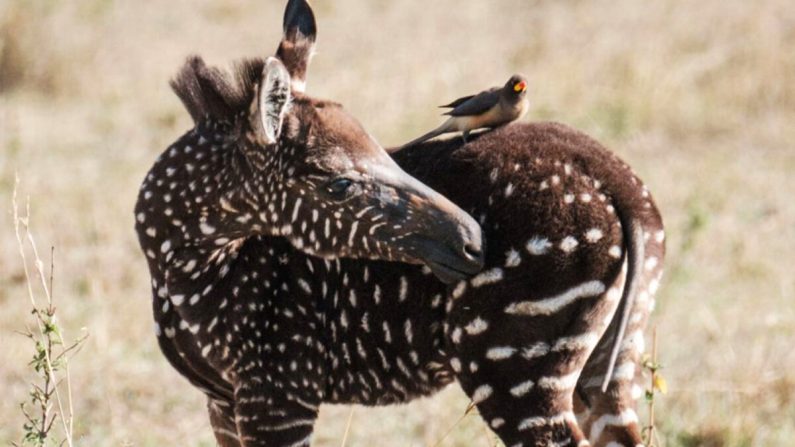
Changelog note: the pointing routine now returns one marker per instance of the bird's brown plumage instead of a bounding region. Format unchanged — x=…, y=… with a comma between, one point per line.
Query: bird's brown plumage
x=475, y=104
x=490, y=108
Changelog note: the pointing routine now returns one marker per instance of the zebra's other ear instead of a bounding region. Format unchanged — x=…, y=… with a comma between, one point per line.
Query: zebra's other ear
x=298, y=43
x=274, y=99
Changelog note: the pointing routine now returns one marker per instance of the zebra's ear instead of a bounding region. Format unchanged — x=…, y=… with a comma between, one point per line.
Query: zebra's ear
x=298, y=43
x=274, y=99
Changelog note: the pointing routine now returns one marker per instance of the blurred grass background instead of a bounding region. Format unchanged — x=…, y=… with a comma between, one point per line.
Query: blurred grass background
x=698, y=96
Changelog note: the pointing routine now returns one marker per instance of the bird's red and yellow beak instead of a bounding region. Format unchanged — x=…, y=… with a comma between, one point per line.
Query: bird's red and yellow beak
x=520, y=86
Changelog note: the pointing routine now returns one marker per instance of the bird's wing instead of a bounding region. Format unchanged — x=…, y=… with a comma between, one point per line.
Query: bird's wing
x=457, y=102
x=477, y=104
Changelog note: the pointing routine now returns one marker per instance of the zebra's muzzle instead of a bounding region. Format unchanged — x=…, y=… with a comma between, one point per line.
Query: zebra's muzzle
x=450, y=264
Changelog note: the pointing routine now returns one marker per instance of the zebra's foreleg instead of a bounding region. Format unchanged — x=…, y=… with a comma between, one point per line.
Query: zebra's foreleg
x=222, y=419
x=267, y=416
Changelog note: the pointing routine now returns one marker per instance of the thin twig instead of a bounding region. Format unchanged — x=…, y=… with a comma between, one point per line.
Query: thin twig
x=347, y=428
x=51, y=383
x=650, y=439
x=469, y=408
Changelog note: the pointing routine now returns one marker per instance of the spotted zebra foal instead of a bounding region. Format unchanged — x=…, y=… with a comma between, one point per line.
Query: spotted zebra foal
x=574, y=258
x=294, y=263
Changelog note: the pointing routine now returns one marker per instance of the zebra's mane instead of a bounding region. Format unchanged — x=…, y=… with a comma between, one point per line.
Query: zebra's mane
x=215, y=93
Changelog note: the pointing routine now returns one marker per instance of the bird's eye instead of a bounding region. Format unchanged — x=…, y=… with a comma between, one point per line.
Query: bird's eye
x=340, y=187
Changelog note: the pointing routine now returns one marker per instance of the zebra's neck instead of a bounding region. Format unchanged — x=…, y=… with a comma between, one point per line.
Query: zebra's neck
x=200, y=194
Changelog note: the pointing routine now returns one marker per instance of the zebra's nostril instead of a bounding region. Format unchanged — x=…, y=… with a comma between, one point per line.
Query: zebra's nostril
x=473, y=252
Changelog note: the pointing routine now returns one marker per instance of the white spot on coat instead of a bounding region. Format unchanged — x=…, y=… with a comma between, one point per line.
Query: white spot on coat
x=296, y=208
x=568, y=244
x=304, y=286
x=624, y=371
x=459, y=290
x=538, y=245
x=622, y=419
x=482, y=393
x=541, y=421
x=548, y=306
x=593, y=235
x=455, y=336
x=488, y=277
x=614, y=252
x=455, y=364
x=561, y=383
x=352, y=234
x=522, y=388
x=206, y=228
x=583, y=342
x=476, y=326
x=500, y=353
x=493, y=175
x=539, y=349
x=512, y=258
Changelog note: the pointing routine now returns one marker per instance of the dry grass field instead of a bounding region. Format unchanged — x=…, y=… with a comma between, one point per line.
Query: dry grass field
x=698, y=96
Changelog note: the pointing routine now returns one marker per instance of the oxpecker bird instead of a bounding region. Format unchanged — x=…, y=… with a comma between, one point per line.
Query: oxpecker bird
x=488, y=109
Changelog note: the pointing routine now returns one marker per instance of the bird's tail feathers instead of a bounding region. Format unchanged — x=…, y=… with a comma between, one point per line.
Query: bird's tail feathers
x=447, y=126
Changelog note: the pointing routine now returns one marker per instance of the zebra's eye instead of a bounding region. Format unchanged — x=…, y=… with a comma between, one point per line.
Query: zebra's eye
x=340, y=188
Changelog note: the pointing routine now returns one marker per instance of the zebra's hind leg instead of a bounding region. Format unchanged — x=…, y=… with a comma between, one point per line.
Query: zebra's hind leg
x=222, y=419
x=522, y=390
x=609, y=418
x=520, y=361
